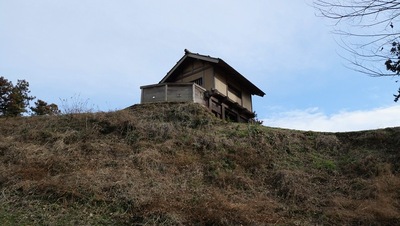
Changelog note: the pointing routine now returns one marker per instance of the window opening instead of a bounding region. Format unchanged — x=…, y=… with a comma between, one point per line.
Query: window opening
x=235, y=91
x=230, y=115
x=198, y=81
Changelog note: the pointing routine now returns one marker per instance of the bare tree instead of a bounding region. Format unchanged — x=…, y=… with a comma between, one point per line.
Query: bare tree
x=368, y=30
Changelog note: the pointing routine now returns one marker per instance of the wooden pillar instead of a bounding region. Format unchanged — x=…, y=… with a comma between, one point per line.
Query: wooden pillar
x=223, y=111
x=166, y=92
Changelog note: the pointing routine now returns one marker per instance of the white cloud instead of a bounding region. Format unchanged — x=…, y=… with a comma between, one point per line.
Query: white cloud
x=316, y=120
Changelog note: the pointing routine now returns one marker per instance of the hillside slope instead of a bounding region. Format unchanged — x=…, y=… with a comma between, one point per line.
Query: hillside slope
x=176, y=164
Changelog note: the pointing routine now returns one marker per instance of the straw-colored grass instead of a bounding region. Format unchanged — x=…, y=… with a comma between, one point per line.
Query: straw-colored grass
x=176, y=164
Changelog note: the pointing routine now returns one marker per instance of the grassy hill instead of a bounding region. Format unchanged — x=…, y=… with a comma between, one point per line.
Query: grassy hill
x=176, y=164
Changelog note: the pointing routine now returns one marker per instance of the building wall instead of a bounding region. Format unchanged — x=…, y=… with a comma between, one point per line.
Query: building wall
x=221, y=84
x=235, y=98
x=246, y=100
x=208, y=78
x=199, y=95
x=196, y=70
x=178, y=92
x=190, y=78
x=153, y=94
x=193, y=66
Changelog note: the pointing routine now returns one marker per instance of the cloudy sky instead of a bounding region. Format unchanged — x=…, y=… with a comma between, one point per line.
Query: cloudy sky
x=102, y=51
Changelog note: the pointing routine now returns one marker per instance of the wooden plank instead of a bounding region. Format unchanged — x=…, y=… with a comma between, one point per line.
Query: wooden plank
x=153, y=94
x=180, y=93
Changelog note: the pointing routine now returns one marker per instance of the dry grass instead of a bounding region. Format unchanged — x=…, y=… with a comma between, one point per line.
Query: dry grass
x=176, y=164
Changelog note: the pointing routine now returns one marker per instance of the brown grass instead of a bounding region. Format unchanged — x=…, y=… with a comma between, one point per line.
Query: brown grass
x=176, y=164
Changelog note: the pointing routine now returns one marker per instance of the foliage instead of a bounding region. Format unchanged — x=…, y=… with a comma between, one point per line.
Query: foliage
x=42, y=108
x=374, y=37
x=393, y=63
x=5, y=91
x=14, y=99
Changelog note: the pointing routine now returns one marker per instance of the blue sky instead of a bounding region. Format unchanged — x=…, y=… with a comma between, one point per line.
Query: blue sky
x=102, y=51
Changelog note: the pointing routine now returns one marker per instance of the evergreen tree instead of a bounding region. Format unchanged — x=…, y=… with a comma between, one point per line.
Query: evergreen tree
x=14, y=99
x=42, y=108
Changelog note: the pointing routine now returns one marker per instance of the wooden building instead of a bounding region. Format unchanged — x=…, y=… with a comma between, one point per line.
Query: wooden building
x=209, y=81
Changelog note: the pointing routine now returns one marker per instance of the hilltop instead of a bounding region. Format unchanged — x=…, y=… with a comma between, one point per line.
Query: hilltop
x=176, y=164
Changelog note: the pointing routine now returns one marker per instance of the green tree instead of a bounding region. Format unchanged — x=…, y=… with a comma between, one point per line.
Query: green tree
x=5, y=91
x=42, y=108
x=14, y=99
x=370, y=34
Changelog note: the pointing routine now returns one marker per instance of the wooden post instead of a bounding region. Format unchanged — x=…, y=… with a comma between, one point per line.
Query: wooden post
x=166, y=93
x=223, y=108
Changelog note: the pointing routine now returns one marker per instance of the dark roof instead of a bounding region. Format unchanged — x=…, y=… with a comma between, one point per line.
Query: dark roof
x=189, y=56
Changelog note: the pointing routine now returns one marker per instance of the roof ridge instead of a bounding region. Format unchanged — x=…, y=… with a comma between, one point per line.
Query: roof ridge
x=188, y=52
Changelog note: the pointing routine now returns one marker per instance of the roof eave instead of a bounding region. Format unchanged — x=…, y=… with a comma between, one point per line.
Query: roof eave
x=255, y=90
x=174, y=68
